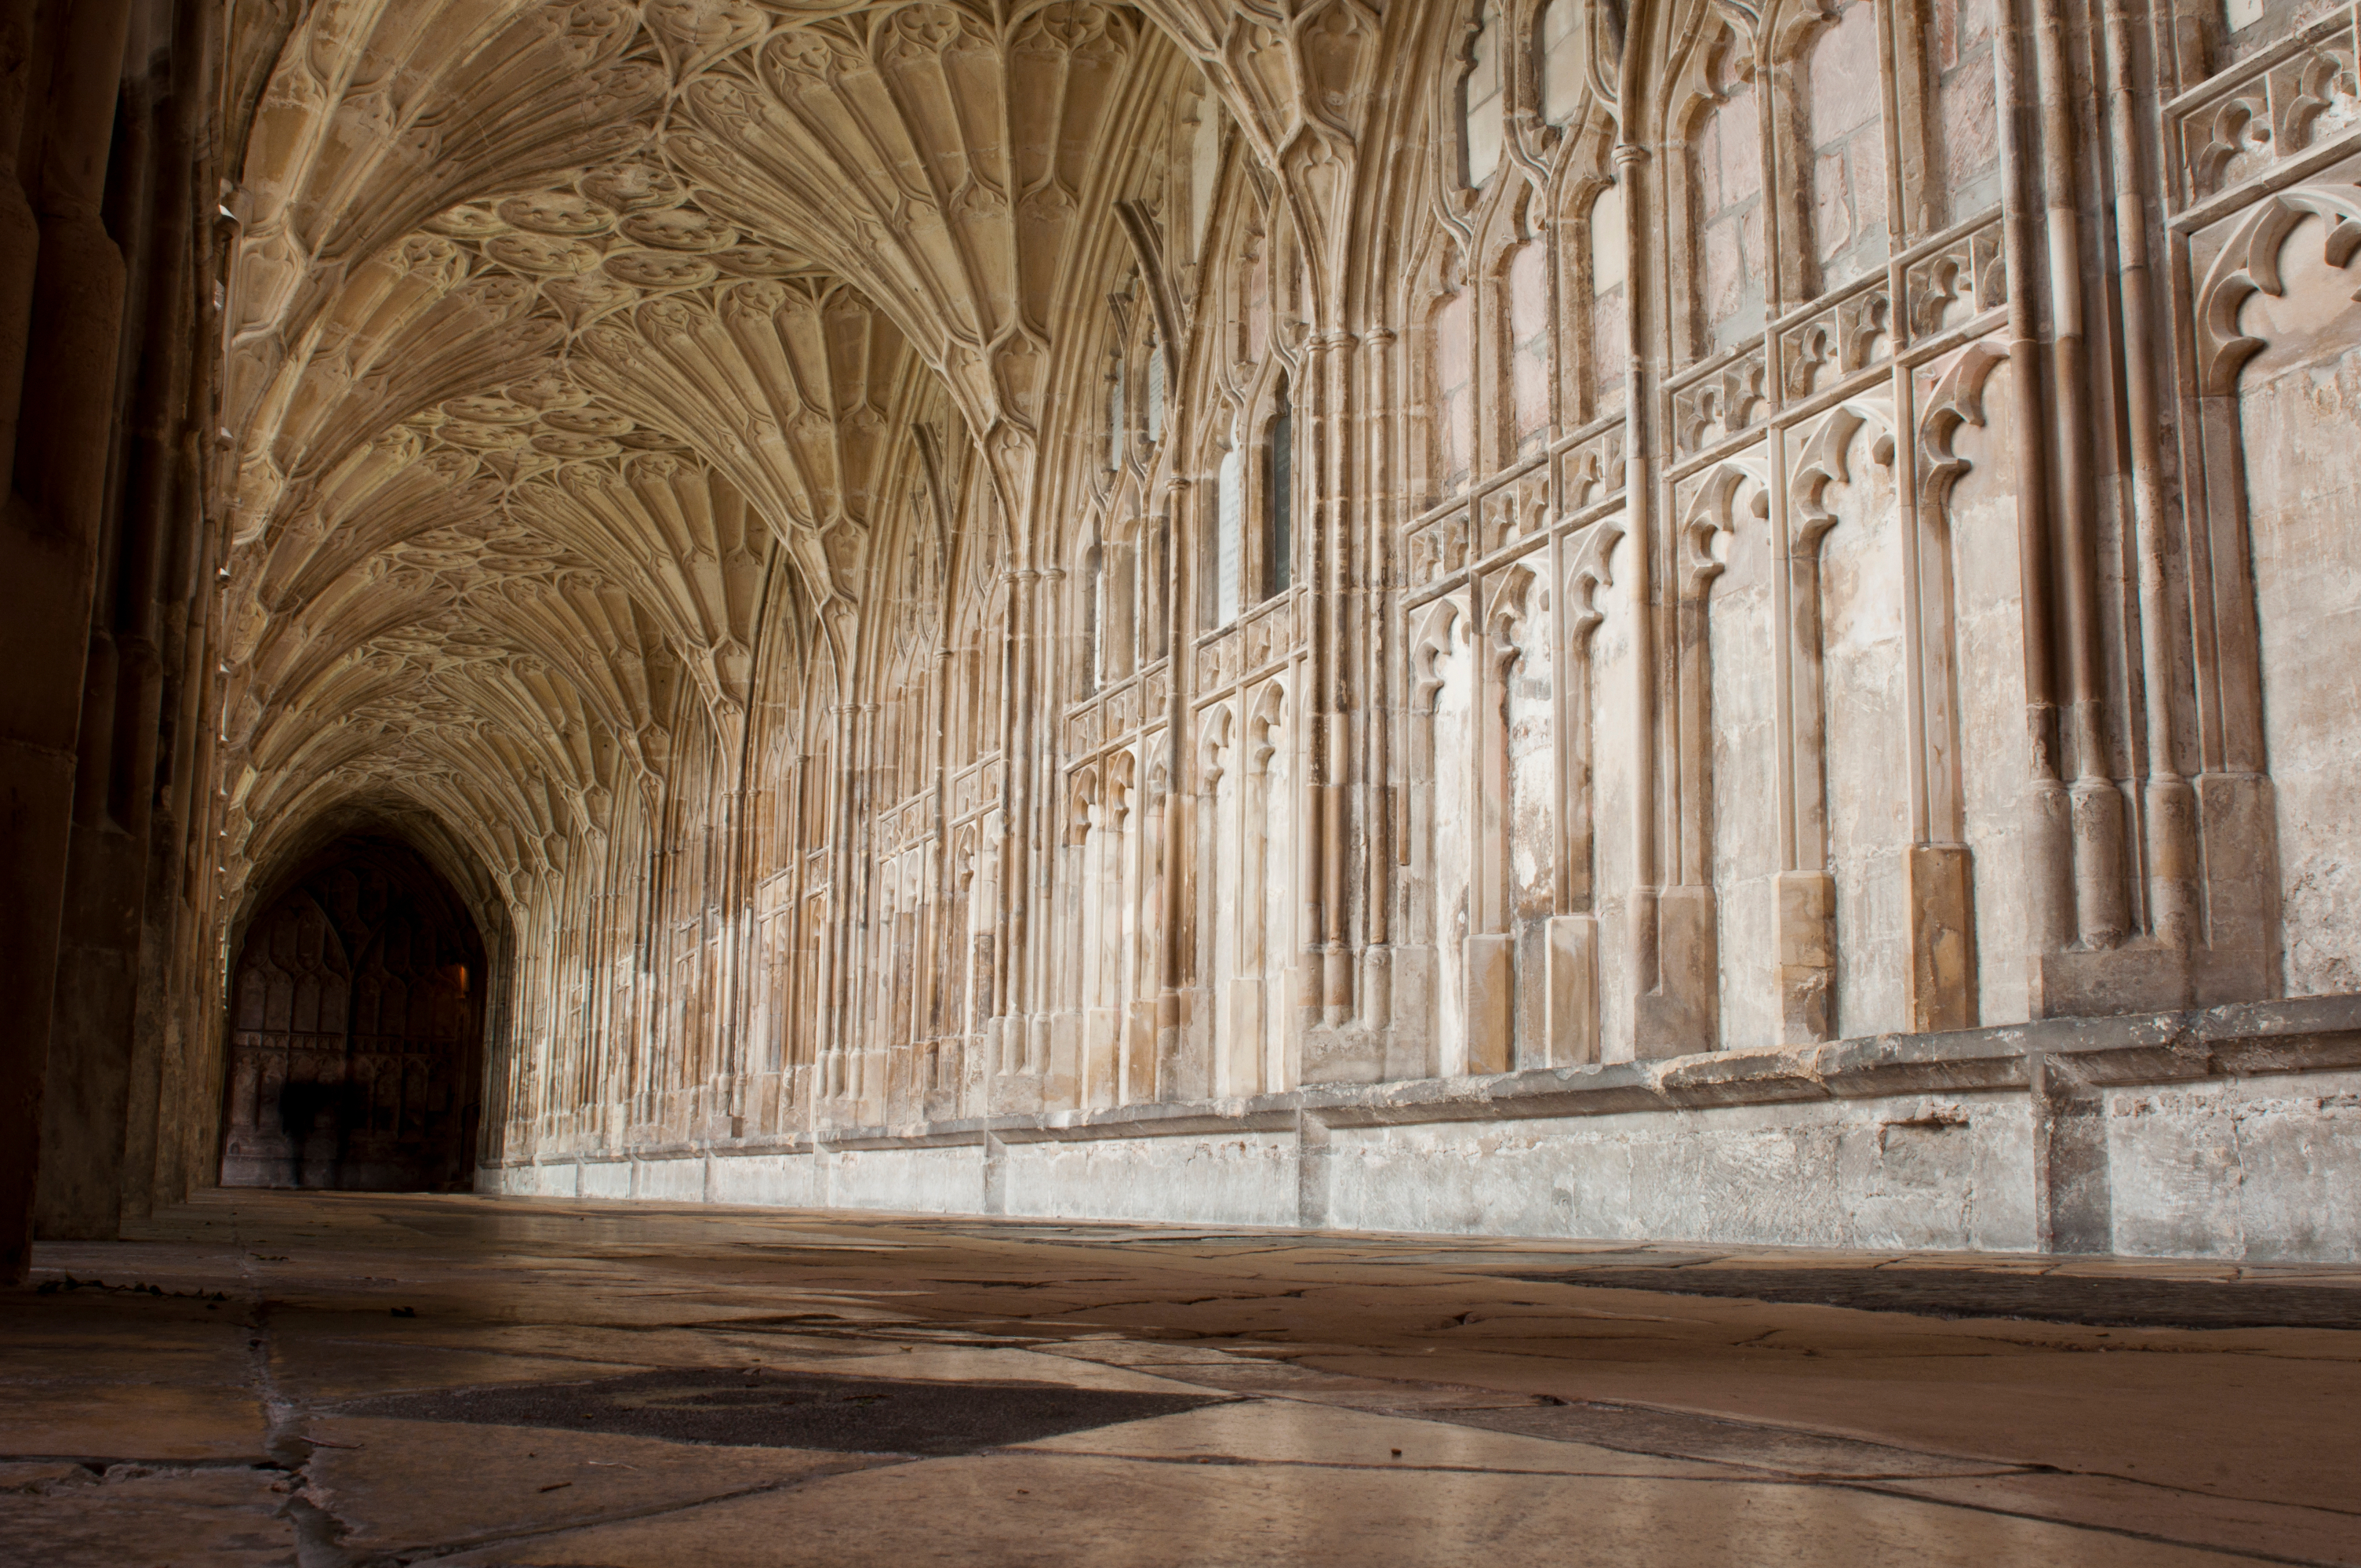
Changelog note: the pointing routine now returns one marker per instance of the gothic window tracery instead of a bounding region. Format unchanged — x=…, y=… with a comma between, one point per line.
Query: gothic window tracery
x=1119, y=605
x=1609, y=253
x=1788, y=169
x=1966, y=128
x=1558, y=45
x=1481, y=98
x=1844, y=144
x=1203, y=122
x=1527, y=345
x=1451, y=378
x=1730, y=257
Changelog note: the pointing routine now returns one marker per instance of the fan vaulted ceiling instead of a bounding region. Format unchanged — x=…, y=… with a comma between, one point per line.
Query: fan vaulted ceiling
x=564, y=338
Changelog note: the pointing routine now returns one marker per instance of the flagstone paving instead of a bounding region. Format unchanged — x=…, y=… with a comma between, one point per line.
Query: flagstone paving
x=350, y=1380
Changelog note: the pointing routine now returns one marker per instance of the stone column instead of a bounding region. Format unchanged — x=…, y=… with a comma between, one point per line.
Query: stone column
x=64, y=392
x=1177, y=1076
x=2047, y=841
x=1330, y=378
x=1374, y=601
x=100, y=1105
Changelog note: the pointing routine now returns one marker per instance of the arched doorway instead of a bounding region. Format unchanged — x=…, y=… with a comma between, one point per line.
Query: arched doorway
x=356, y=1024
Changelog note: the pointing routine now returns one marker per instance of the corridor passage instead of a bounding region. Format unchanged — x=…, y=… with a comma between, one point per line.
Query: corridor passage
x=345, y=1380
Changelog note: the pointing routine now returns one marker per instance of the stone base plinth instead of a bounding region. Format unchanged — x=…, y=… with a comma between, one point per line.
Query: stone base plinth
x=2233, y=1132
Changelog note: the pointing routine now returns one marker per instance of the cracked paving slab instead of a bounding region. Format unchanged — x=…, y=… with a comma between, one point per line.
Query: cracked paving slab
x=364, y=1381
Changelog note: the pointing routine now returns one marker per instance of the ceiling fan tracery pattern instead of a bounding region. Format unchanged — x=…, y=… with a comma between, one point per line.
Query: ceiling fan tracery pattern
x=569, y=340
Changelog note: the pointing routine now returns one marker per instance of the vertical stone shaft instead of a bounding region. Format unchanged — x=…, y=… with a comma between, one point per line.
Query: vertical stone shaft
x=1332, y=369
x=2097, y=807
x=88, y=1096
x=1381, y=512
x=2048, y=833
x=1652, y=1036
x=2170, y=807
x=64, y=388
x=158, y=529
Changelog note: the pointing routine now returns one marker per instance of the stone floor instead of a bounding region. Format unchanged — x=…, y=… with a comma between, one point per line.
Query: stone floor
x=344, y=1380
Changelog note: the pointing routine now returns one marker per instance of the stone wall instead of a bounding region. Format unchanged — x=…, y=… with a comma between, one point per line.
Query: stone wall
x=2233, y=1133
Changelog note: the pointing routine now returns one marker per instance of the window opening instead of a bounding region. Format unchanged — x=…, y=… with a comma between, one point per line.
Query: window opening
x=1155, y=392
x=1228, y=537
x=1279, y=504
x=1115, y=417
x=1480, y=101
x=1561, y=41
x=1094, y=611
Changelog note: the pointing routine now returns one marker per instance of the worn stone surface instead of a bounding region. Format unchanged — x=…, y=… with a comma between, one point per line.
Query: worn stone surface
x=140, y=1513
x=1226, y=1395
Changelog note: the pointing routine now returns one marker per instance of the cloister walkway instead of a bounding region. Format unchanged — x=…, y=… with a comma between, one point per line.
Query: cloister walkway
x=350, y=1379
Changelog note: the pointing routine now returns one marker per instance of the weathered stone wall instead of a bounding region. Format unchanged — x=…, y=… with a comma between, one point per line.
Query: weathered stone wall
x=2231, y=1134
x=2294, y=397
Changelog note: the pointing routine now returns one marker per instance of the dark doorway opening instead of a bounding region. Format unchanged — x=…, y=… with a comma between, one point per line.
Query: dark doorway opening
x=357, y=1029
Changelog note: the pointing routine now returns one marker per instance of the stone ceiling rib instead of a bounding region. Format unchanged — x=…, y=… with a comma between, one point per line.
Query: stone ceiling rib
x=380, y=114
x=574, y=341
x=949, y=146
x=788, y=388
